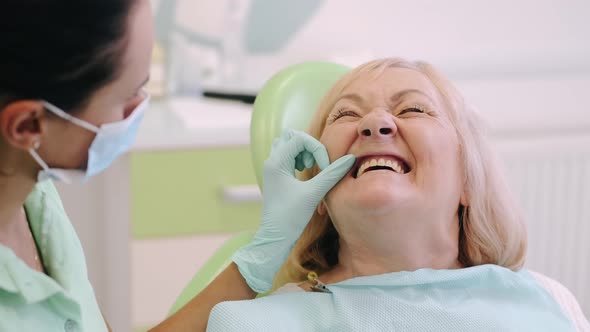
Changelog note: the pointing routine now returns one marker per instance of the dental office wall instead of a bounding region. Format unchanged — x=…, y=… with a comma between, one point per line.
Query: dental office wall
x=525, y=65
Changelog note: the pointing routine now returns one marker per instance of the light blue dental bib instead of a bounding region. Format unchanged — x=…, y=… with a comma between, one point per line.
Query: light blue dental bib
x=481, y=298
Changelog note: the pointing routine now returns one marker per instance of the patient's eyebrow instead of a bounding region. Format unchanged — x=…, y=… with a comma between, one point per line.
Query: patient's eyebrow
x=398, y=97
x=395, y=99
x=354, y=97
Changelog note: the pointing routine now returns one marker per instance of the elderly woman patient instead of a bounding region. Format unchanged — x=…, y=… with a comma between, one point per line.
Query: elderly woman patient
x=421, y=235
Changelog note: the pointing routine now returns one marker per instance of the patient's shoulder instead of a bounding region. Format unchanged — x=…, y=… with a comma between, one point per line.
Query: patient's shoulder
x=289, y=288
x=565, y=299
x=270, y=313
x=232, y=316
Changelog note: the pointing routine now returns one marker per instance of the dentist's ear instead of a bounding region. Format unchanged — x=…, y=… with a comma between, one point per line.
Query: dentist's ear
x=20, y=123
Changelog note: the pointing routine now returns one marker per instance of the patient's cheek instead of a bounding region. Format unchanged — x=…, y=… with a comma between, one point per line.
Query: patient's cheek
x=337, y=142
x=332, y=151
x=334, y=156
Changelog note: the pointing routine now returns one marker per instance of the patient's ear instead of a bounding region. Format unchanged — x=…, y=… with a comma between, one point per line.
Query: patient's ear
x=322, y=208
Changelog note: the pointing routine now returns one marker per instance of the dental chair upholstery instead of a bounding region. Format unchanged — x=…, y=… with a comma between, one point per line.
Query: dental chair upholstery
x=288, y=100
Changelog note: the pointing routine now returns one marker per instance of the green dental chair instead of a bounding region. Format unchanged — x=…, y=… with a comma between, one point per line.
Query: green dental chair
x=288, y=100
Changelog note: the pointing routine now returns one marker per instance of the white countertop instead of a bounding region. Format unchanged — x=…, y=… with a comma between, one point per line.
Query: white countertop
x=187, y=123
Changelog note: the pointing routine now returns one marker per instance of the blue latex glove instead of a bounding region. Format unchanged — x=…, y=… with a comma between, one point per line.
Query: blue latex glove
x=288, y=204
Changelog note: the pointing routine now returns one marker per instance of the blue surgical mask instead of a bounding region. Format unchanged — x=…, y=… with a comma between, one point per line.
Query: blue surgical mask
x=111, y=141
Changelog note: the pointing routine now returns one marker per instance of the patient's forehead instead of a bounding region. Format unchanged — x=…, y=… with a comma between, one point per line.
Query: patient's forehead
x=382, y=83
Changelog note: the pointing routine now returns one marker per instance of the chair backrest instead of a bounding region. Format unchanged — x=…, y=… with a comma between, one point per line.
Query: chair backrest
x=288, y=100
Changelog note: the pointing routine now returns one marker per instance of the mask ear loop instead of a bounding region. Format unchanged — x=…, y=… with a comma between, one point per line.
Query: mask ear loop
x=33, y=152
x=55, y=110
x=35, y=155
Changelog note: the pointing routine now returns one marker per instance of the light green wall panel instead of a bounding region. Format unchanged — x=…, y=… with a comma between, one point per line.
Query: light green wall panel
x=180, y=192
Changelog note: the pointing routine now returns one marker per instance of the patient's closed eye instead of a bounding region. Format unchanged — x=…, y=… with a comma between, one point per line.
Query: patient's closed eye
x=415, y=108
x=342, y=113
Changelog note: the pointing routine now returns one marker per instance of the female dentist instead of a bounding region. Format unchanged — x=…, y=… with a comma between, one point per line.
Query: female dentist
x=71, y=100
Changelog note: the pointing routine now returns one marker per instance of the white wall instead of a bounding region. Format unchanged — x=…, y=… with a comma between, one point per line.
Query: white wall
x=466, y=39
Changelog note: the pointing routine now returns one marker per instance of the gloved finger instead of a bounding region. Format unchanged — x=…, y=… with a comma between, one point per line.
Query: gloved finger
x=286, y=156
x=288, y=133
x=280, y=156
x=284, y=137
x=304, y=160
x=275, y=142
x=331, y=175
x=299, y=162
x=308, y=159
x=301, y=141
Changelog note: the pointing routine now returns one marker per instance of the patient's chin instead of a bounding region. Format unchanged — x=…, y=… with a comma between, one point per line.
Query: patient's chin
x=376, y=201
x=375, y=193
x=379, y=203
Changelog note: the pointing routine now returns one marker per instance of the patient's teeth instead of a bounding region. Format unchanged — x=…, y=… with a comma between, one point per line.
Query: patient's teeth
x=395, y=165
x=362, y=169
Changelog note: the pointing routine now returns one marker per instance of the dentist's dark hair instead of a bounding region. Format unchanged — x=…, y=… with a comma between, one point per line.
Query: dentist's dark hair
x=62, y=51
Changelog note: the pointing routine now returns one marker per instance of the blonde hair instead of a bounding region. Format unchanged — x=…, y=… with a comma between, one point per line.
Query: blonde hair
x=491, y=229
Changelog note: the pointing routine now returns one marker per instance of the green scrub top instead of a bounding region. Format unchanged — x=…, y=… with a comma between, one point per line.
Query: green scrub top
x=62, y=299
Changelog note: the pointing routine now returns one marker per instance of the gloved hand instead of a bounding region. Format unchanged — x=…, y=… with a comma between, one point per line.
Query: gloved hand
x=288, y=204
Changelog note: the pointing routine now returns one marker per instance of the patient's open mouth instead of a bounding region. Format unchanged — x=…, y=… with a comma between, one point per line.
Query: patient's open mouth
x=372, y=163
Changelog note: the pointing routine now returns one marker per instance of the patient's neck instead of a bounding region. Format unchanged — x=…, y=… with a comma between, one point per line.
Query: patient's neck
x=413, y=246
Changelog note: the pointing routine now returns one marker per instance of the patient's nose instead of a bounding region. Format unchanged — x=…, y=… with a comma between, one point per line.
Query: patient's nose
x=376, y=125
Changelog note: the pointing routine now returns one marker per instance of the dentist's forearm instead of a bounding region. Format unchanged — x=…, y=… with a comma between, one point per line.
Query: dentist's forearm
x=228, y=286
